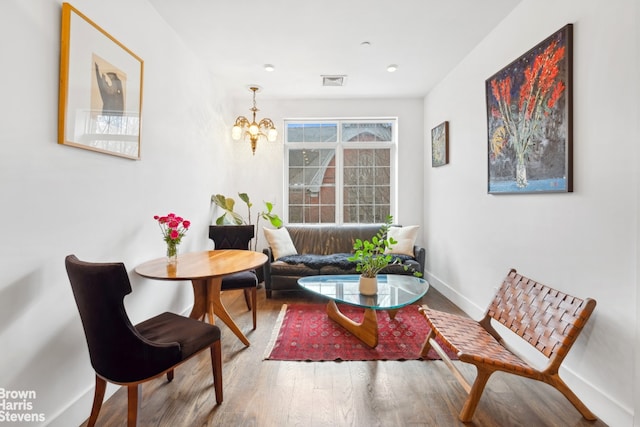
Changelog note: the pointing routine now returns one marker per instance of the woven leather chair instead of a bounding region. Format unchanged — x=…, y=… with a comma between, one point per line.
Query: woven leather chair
x=545, y=318
x=129, y=355
x=238, y=237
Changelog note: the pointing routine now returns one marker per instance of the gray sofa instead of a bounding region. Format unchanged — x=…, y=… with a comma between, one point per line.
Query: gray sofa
x=323, y=249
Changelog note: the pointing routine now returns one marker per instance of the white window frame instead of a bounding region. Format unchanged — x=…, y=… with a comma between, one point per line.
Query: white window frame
x=339, y=147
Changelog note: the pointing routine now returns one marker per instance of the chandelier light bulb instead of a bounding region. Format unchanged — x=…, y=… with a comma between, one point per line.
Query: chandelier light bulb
x=253, y=129
x=236, y=133
x=272, y=135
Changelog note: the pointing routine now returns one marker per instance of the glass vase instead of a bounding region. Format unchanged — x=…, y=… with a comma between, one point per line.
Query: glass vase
x=172, y=252
x=521, y=174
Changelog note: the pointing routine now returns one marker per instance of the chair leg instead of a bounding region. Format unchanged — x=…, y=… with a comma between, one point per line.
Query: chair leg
x=247, y=298
x=254, y=305
x=427, y=344
x=561, y=386
x=170, y=375
x=134, y=394
x=98, y=397
x=474, y=395
x=216, y=367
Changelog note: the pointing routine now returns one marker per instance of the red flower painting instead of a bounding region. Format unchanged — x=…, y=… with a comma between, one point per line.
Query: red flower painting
x=526, y=117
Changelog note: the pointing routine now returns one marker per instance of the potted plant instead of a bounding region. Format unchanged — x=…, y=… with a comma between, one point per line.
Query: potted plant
x=370, y=258
x=230, y=217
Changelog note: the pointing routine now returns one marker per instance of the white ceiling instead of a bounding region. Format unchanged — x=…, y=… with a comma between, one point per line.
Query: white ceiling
x=306, y=39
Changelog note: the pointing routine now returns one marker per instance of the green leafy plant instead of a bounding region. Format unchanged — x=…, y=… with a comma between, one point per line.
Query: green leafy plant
x=231, y=217
x=227, y=204
x=370, y=257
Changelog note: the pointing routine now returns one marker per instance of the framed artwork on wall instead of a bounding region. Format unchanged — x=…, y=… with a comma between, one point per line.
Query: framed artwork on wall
x=100, y=98
x=530, y=120
x=440, y=145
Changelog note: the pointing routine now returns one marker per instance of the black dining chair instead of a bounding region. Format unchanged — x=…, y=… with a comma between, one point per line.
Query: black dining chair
x=238, y=237
x=127, y=354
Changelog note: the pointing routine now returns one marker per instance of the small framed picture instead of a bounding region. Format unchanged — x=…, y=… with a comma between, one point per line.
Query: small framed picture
x=440, y=145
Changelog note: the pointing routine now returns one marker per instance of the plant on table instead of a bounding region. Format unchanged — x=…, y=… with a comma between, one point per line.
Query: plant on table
x=370, y=256
x=173, y=229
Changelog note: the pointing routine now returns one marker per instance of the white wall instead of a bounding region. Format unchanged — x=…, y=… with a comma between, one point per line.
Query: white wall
x=636, y=347
x=585, y=242
x=58, y=200
x=262, y=177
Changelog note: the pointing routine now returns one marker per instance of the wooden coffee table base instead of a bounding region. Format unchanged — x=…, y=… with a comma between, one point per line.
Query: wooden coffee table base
x=394, y=292
x=366, y=331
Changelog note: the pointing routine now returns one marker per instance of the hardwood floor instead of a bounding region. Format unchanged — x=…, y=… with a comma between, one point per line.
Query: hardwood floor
x=309, y=394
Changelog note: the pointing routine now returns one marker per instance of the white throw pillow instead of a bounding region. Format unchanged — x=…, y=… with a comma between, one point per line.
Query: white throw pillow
x=406, y=238
x=280, y=242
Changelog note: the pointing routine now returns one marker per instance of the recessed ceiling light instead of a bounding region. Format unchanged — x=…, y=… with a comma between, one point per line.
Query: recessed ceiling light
x=269, y=67
x=365, y=44
x=337, y=80
x=391, y=68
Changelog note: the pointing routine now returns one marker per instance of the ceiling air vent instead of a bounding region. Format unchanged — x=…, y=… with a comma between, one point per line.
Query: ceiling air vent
x=333, y=80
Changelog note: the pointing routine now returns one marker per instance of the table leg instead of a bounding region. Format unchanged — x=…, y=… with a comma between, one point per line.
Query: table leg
x=392, y=313
x=199, y=299
x=366, y=331
x=216, y=307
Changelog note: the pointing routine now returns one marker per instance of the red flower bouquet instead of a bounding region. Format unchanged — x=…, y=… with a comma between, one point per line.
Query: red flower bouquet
x=173, y=229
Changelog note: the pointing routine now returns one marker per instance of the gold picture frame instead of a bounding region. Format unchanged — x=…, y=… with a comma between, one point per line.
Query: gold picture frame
x=100, y=100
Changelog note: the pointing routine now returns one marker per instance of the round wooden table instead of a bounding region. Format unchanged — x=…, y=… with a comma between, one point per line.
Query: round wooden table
x=205, y=270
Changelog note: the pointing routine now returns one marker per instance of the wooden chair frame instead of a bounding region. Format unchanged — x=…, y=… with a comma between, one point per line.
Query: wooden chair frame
x=129, y=355
x=547, y=319
x=134, y=389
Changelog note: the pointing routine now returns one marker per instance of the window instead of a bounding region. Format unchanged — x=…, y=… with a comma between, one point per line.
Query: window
x=340, y=171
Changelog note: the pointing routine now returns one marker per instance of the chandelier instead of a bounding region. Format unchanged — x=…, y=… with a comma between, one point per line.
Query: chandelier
x=253, y=129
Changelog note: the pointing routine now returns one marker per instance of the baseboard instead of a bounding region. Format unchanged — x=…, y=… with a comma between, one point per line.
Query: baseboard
x=79, y=409
x=469, y=307
x=601, y=404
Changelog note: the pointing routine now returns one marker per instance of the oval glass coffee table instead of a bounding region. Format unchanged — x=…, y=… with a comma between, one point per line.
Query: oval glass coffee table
x=394, y=292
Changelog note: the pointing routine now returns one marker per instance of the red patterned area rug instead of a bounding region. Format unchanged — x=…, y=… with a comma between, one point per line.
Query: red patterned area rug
x=305, y=333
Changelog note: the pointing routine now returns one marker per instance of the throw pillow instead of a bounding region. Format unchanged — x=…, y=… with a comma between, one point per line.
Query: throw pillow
x=406, y=238
x=280, y=242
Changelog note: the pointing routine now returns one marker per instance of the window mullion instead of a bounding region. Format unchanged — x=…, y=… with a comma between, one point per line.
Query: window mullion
x=339, y=184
